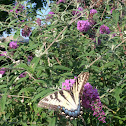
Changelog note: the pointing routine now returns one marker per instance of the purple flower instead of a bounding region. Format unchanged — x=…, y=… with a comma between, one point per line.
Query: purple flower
x=61, y=1
x=19, y=8
x=104, y=29
x=13, y=45
x=93, y=11
x=2, y=71
x=68, y=84
x=3, y=53
x=23, y=75
x=112, y=10
x=50, y=15
x=92, y=101
x=26, y=31
x=83, y=25
x=38, y=21
x=77, y=12
x=11, y=10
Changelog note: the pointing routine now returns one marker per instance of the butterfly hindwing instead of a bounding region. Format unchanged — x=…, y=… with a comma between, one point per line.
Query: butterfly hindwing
x=66, y=101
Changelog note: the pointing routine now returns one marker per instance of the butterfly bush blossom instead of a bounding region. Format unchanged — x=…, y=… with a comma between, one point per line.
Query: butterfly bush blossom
x=13, y=44
x=77, y=12
x=23, y=75
x=68, y=83
x=3, y=53
x=93, y=11
x=83, y=25
x=90, y=98
x=19, y=9
x=104, y=29
x=92, y=101
x=61, y=1
x=2, y=71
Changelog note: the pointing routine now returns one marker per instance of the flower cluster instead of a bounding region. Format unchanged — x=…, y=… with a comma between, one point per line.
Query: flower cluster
x=77, y=12
x=98, y=112
x=19, y=8
x=83, y=25
x=68, y=84
x=13, y=45
x=26, y=31
x=90, y=98
x=93, y=11
x=104, y=29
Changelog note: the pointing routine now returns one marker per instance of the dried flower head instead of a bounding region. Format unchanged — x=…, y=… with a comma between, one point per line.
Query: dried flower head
x=38, y=21
x=26, y=31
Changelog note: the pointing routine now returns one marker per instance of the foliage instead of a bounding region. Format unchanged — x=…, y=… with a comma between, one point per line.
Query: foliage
x=5, y=4
x=58, y=50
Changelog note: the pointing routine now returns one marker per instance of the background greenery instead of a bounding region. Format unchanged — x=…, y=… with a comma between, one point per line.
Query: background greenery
x=59, y=52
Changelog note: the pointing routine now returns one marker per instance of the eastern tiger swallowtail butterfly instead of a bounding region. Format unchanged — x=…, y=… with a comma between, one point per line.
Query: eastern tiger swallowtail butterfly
x=69, y=102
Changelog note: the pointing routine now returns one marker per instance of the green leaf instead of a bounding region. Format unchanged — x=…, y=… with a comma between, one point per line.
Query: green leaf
x=117, y=93
x=29, y=89
x=26, y=67
x=60, y=67
x=3, y=86
x=3, y=102
x=35, y=61
x=52, y=121
x=42, y=94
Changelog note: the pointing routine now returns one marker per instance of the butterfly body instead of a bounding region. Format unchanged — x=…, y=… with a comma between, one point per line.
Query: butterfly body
x=69, y=102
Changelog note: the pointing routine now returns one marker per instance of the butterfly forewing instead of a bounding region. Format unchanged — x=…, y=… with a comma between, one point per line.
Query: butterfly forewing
x=59, y=98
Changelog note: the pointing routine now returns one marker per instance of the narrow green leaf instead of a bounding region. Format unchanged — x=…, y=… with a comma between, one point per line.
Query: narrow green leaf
x=59, y=67
x=52, y=121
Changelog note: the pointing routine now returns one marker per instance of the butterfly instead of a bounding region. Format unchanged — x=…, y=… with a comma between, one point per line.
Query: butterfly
x=69, y=102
